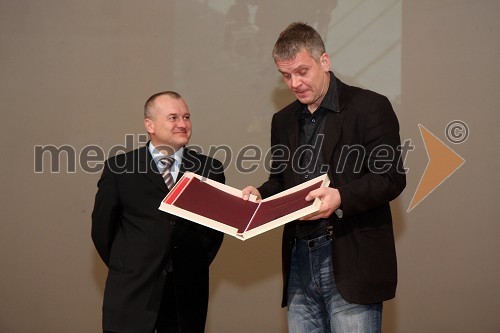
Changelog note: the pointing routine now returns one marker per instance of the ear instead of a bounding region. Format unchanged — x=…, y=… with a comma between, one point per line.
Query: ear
x=149, y=125
x=325, y=62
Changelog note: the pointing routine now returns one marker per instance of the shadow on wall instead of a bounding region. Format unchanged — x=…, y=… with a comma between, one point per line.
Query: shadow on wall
x=99, y=272
x=399, y=224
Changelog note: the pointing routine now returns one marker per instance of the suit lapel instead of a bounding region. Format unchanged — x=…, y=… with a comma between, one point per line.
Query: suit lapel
x=293, y=138
x=182, y=169
x=148, y=168
x=333, y=128
x=190, y=162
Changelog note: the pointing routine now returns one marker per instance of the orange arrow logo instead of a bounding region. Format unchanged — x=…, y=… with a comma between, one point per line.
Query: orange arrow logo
x=443, y=162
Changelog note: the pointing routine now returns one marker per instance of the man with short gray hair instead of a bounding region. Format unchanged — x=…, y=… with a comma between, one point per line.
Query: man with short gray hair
x=339, y=264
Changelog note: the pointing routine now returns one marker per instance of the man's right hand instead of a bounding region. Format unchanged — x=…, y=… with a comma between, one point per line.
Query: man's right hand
x=247, y=191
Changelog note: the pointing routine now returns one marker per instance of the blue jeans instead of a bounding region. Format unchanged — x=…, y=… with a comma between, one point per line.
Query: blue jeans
x=314, y=303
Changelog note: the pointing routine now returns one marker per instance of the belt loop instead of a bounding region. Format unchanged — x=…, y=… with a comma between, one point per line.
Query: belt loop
x=329, y=232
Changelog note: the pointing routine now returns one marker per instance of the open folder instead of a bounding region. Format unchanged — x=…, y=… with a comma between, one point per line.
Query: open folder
x=221, y=207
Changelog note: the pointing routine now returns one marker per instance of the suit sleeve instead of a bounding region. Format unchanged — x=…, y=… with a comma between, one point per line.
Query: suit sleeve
x=105, y=216
x=383, y=177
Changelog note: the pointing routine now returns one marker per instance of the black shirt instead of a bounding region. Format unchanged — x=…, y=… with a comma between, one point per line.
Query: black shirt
x=311, y=163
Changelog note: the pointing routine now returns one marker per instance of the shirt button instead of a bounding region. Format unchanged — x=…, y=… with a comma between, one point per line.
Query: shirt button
x=172, y=222
x=306, y=176
x=313, y=120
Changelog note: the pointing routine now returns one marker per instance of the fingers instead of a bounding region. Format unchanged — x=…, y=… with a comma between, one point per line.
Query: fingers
x=330, y=201
x=309, y=217
x=317, y=193
x=250, y=190
x=316, y=215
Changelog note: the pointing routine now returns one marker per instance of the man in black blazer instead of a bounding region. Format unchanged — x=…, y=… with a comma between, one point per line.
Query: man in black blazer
x=158, y=264
x=339, y=264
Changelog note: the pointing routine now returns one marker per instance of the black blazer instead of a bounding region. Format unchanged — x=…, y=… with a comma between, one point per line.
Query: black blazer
x=135, y=239
x=363, y=247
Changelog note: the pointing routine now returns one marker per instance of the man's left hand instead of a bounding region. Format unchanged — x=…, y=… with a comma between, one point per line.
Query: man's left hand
x=330, y=201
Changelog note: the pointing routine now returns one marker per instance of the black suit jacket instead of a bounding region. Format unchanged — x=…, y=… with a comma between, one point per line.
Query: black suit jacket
x=356, y=139
x=135, y=240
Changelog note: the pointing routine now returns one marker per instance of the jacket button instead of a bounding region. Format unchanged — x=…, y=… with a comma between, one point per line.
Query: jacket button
x=164, y=272
x=172, y=222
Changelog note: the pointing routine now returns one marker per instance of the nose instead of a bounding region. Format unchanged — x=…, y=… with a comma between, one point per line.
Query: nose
x=295, y=81
x=181, y=123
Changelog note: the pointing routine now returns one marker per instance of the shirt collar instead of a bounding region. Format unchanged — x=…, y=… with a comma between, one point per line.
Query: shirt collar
x=157, y=155
x=331, y=100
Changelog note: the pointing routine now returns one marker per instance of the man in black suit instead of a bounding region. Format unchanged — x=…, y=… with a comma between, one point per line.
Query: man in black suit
x=158, y=264
x=339, y=264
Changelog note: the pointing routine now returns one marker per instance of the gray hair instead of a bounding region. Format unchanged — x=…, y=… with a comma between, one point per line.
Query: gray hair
x=296, y=37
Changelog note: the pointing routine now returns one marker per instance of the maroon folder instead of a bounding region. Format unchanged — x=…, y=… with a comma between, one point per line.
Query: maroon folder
x=221, y=207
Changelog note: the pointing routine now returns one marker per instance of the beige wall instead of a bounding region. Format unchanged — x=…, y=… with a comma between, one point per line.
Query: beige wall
x=77, y=73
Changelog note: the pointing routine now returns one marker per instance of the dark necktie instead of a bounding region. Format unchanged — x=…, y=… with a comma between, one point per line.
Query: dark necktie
x=167, y=163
